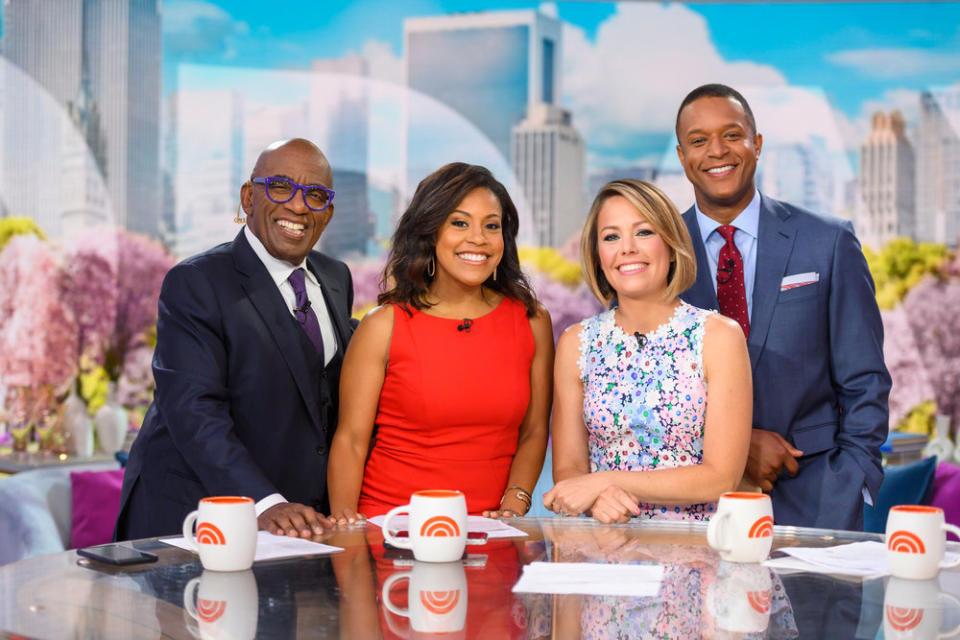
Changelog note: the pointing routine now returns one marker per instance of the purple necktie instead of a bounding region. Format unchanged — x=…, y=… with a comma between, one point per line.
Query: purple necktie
x=303, y=311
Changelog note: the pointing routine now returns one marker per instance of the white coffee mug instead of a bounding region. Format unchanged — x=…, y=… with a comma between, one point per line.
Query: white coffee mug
x=742, y=528
x=438, y=525
x=226, y=536
x=739, y=598
x=225, y=605
x=914, y=609
x=436, y=596
x=916, y=539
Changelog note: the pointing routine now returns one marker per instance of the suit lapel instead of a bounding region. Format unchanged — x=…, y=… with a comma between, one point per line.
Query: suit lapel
x=775, y=238
x=266, y=298
x=701, y=294
x=332, y=289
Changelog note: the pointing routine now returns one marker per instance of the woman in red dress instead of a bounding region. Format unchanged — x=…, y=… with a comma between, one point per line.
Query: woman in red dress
x=446, y=384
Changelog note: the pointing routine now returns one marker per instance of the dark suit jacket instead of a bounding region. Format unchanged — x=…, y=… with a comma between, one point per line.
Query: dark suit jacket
x=242, y=406
x=819, y=379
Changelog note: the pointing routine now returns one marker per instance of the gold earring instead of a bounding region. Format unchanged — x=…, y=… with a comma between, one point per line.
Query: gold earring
x=239, y=219
x=495, y=272
x=431, y=267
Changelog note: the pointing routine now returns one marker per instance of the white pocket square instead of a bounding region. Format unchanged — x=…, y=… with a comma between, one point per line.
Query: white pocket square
x=799, y=280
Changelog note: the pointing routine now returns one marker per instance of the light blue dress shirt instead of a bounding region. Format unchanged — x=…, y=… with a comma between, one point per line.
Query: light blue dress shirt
x=748, y=225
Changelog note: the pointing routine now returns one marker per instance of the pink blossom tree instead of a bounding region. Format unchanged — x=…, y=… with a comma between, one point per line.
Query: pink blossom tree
x=911, y=381
x=933, y=310
x=38, y=344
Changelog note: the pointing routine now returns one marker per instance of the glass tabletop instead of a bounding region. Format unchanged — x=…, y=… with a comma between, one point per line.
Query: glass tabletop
x=369, y=591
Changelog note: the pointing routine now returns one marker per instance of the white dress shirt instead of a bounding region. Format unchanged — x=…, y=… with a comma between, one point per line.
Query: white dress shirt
x=280, y=270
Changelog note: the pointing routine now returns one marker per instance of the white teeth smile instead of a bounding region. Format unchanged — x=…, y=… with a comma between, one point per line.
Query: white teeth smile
x=292, y=226
x=723, y=169
x=472, y=257
x=632, y=267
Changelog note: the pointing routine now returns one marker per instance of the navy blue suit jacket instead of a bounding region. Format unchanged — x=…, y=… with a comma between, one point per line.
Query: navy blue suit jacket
x=237, y=408
x=816, y=351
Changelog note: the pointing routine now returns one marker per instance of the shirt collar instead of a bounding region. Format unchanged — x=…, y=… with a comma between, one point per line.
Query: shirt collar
x=278, y=269
x=747, y=221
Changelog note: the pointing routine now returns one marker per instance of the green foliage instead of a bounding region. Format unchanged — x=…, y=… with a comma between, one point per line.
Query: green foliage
x=10, y=227
x=920, y=419
x=900, y=265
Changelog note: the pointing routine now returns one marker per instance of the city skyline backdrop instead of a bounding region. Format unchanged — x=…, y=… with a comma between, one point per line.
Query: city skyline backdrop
x=548, y=95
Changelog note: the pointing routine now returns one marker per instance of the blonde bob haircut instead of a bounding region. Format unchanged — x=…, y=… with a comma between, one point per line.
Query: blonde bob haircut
x=656, y=208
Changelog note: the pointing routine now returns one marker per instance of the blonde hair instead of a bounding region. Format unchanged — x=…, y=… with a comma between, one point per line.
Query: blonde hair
x=657, y=209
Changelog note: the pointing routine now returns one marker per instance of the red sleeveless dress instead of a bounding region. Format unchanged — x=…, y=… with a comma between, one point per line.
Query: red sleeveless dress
x=450, y=408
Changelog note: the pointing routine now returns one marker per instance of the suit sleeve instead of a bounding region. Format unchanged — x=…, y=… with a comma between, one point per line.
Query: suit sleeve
x=191, y=368
x=860, y=377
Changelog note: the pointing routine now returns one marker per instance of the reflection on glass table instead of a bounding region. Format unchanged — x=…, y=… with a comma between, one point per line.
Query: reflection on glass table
x=369, y=591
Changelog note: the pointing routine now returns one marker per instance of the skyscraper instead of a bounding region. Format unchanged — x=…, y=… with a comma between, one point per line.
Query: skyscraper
x=209, y=127
x=489, y=67
x=938, y=166
x=100, y=61
x=339, y=122
x=548, y=160
x=885, y=209
x=799, y=173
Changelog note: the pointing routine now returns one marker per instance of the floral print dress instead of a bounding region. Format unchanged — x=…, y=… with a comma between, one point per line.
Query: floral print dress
x=644, y=407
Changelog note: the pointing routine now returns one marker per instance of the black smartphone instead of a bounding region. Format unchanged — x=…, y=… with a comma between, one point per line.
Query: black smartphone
x=117, y=554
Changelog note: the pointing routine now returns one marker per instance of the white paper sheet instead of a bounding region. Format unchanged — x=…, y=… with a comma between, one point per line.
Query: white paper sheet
x=585, y=578
x=493, y=528
x=854, y=559
x=271, y=547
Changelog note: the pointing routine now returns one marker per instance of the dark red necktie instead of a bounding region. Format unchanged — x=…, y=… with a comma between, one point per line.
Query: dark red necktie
x=731, y=292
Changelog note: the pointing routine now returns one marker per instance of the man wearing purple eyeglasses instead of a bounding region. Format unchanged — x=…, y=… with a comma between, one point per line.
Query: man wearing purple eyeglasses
x=250, y=338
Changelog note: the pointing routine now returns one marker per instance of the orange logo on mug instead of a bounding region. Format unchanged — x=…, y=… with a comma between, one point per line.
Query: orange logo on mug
x=208, y=533
x=440, y=602
x=759, y=600
x=210, y=610
x=903, y=619
x=440, y=527
x=905, y=542
x=762, y=528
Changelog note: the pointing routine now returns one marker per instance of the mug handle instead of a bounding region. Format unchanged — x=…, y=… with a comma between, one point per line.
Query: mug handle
x=956, y=603
x=402, y=543
x=188, y=523
x=713, y=531
x=385, y=592
x=955, y=531
x=189, y=597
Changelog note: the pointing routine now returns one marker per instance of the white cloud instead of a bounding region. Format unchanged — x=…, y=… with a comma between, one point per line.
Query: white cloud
x=549, y=9
x=197, y=27
x=633, y=77
x=897, y=62
x=384, y=63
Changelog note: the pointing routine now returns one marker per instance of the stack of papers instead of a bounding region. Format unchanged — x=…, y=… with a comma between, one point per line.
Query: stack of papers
x=866, y=559
x=271, y=547
x=587, y=578
x=493, y=528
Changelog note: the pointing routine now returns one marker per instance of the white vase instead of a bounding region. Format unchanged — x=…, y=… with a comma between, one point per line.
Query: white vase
x=77, y=423
x=940, y=444
x=111, y=422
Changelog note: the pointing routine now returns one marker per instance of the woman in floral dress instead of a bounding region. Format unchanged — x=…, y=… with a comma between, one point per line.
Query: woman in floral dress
x=652, y=400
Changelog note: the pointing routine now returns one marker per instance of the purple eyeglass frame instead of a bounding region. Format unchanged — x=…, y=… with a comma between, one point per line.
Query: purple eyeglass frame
x=295, y=187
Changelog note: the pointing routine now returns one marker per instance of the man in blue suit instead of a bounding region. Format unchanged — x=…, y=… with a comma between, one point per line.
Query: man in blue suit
x=250, y=338
x=799, y=286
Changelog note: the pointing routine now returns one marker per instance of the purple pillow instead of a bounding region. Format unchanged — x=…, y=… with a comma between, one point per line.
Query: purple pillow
x=946, y=492
x=95, y=503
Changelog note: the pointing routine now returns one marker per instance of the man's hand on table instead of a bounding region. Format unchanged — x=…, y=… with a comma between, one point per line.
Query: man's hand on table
x=293, y=519
x=769, y=454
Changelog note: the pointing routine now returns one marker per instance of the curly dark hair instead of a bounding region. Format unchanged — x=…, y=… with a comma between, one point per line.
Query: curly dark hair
x=414, y=241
